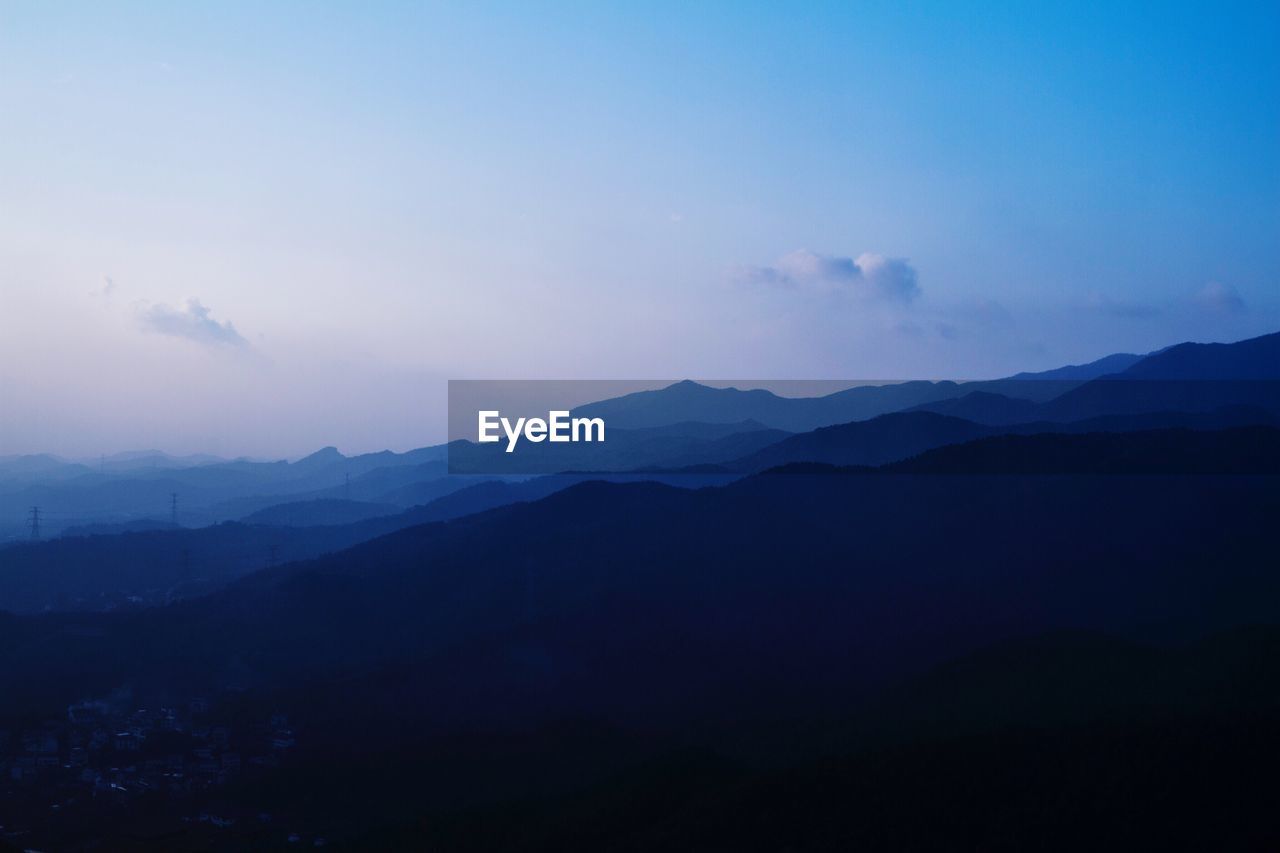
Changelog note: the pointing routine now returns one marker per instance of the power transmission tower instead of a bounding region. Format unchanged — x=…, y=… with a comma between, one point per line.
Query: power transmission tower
x=173, y=508
x=33, y=518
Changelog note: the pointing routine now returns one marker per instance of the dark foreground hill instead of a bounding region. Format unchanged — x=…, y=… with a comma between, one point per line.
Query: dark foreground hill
x=1020, y=746
x=644, y=602
x=583, y=657
x=104, y=568
x=636, y=666
x=1241, y=450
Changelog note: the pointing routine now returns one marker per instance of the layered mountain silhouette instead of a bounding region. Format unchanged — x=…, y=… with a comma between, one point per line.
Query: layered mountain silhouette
x=95, y=567
x=907, y=629
x=1104, y=366
x=1249, y=450
x=1242, y=374
x=624, y=598
x=690, y=401
x=684, y=426
x=894, y=437
x=318, y=512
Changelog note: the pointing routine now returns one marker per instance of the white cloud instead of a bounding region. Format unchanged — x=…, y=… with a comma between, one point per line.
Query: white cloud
x=193, y=322
x=870, y=275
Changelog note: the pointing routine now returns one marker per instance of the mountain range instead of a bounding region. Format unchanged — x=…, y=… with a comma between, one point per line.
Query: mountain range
x=750, y=630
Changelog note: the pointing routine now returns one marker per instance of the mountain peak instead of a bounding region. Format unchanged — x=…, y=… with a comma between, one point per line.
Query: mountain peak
x=323, y=456
x=1252, y=359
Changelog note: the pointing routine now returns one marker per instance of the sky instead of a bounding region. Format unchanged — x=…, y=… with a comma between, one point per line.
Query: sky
x=258, y=229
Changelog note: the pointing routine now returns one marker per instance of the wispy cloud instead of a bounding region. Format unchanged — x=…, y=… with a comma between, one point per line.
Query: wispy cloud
x=193, y=322
x=1220, y=298
x=869, y=275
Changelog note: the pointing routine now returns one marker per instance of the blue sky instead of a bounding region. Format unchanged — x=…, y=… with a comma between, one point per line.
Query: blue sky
x=238, y=230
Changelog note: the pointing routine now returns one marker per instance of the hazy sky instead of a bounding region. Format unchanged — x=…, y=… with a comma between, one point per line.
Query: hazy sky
x=233, y=229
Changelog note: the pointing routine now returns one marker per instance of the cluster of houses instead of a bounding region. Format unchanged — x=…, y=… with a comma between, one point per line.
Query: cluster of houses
x=105, y=751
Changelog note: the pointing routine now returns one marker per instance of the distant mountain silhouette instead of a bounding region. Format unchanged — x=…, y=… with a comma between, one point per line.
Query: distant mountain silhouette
x=1241, y=450
x=318, y=512
x=1104, y=366
x=873, y=442
x=430, y=487
x=39, y=466
x=1005, y=636
x=897, y=436
x=73, y=494
x=106, y=566
x=690, y=401
x=984, y=407
x=133, y=460
x=155, y=566
x=1252, y=359
x=634, y=625
x=1189, y=378
x=1182, y=378
x=140, y=525
x=324, y=457
x=1073, y=392
x=1186, y=377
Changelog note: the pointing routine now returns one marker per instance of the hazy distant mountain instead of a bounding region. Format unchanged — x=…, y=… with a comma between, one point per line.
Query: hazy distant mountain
x=1186, y=378
x=872, y=442
x=1252, y=359
x=140, y=525
x=37, y=467
x=1114, y=363
x=737, y=617
x=317, y=512
x=1243, y=374
x=991, y=401
x=694, y=402
x=323, y=457
x=990, y=624
x=690, y=401
x=984, y=407
x=70, y=494
x=426, y=490
x=132, y=460
x=1182, y=378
